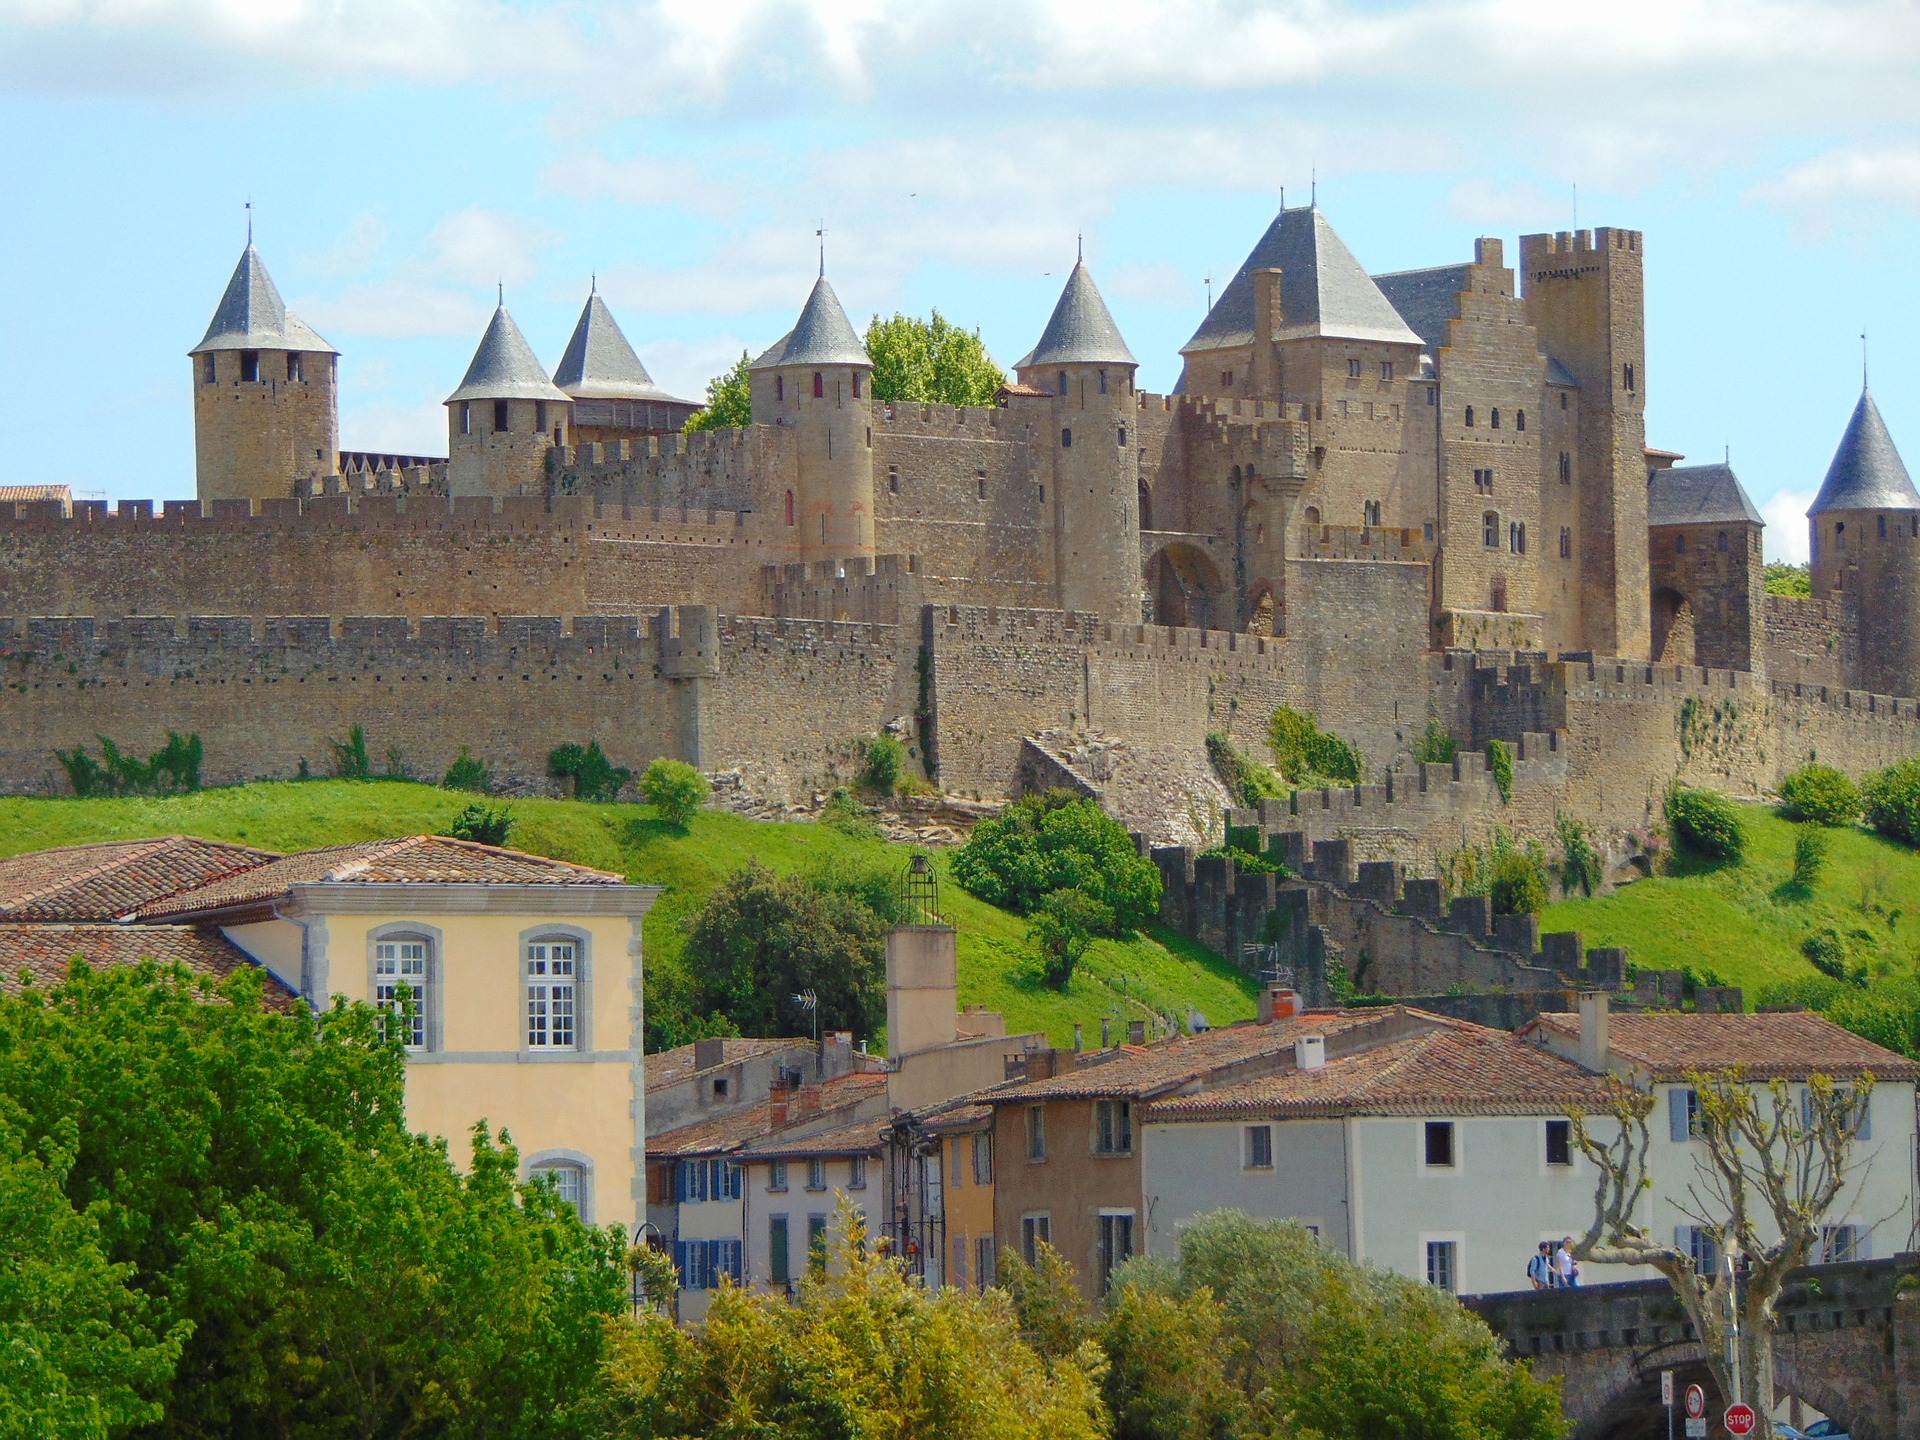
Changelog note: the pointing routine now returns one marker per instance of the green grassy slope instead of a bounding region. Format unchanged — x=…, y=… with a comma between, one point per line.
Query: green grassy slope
x=1744, y=923
x=1160, y=973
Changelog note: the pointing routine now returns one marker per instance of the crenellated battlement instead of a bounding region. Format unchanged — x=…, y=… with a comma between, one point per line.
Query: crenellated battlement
x=1362, y=542
x=1580, y=242
x=979, y=421
x=1071, y=628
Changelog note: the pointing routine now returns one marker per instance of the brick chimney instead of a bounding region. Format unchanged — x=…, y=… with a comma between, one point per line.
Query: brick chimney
x=1596, y=1047
x=1277, y=1002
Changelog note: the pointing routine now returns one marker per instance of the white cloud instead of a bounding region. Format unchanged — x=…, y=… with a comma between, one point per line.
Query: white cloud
x=1162, y=284
x=481, y=246
x=394, y=427
x=642, y=180
x=396, y=309
x=1480, y=201
x=683, y=367
x=1853, y=180
x=365, y=237
x=1785, y=512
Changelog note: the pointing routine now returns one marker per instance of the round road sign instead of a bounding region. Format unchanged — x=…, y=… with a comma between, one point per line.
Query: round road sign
x=1696, y=1402
x=1740, y=1420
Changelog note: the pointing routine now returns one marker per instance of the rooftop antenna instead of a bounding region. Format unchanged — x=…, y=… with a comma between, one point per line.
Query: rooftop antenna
x=593, y=283
x=1313, y=188
x=1208, y=281
x=500, y=293
x=249, y=221
x=821, y=235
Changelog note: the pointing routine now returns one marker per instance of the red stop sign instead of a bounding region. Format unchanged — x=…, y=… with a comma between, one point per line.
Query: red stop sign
x=1740, y=1419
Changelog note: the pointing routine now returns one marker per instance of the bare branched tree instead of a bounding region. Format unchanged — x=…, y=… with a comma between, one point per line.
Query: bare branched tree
x=1773, y=1160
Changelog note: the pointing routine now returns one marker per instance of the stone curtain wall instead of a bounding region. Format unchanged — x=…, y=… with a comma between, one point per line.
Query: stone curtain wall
x=1813, y=642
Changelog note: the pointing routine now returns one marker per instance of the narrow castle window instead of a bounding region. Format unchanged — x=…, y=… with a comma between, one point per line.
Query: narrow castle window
x=559, y=435
x=1496, y=417
x=1353, y=369
x=1563, y=399
x=823, y=527
x=1386, y=370
x=466, y=418
x=1517, y=537
x=1370, y=513
x=250, y=366
x=1679, y=544
x=1433, y=395
x=1723, y=534
x=296, y=366
x=1123, y=437
x=981, y=477
x=539, y=414
x=1490, y=530
x=1063, y=382
x=1566, y=468
x=1313, y=515
x=1566, y=543
x=1066, y=439
x=1519, y=419
x=789, y=507
x=1043, y=494
x=1103, y=382
x=780, y=388
x=819, y=386
x=1469, y=417
x=1883, y=532
x=893, y=479
x=1226, y=379
x=1626, y=376
x=209, y=371
x=856, y=384
x=1914, y=533
x=502, y=416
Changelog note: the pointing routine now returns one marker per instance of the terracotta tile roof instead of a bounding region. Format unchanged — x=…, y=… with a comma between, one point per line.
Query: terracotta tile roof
x=1458, y=1069
x=410, y=860
x=115, y=878
x=11, y=493
x=670, y=1067
x=731, y=1129
x=1789, y=1045
x=961, y=1115
x=1144, y=1071
x=858, y=1137
x=44, y=951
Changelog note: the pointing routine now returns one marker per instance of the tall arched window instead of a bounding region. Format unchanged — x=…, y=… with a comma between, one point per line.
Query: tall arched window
x=1469, y=417
x=552, y=975
x=819, y=386
x=1495, y=421
x=1490, y=530
x=1063, y=382
x=1519, y=419
x=1517, y=537
x=404, y=963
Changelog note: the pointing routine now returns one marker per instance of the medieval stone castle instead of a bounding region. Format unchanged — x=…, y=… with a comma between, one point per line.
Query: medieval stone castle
x=1385, y=499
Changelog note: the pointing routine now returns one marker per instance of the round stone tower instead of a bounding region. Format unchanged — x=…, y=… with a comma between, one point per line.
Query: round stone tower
x=1085, y=366
x=265, y=410
x=818, y=378
x=504, y=418
x=1865, y=532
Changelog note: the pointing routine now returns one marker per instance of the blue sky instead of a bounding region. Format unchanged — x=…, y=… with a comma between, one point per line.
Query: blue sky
x=403, y=156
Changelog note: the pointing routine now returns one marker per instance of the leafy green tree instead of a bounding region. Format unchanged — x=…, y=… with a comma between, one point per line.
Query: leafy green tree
x=1517, y=887
x=1785, y=579
x=1059, y=841
x=930, y=361
x=594, y=776
x=1821, y=794
x=1053, y=1318
x=729, y=400
x=1809, y=856
x=1168, y=1356
x=1891, y=800
x=762, y=939
x=1062, y=927
x=864, y=1351
x=1705, y=822
x=326, y=1272
x=482, y=824
x=1435, y=746
x=886, y=759
x=80, y=1357
x=675, y=789
x=1332, y=1350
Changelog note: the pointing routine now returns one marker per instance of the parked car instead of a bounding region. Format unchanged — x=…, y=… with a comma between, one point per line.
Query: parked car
x=1822, y=1430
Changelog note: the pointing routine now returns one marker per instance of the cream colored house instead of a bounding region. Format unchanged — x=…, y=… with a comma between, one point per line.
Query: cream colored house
x=527, y=973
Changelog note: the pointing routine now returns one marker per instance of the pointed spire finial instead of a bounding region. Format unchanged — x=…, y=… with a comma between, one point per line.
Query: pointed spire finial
x=249, y=222
x=1863, y=362
x=821, y=235
x=1079, y=247
x=593, y=283
x=500, y=293
x=1313, y=192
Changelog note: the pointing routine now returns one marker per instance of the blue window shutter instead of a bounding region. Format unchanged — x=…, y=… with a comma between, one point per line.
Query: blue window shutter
x=680, y=1262
x=1677, y=1113
x=733, y=1260
x=680, y=1183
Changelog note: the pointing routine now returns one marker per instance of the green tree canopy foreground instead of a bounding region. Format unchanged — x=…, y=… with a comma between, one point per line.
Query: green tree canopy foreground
x=214, y=1222
x=1059, y=841
x=729, y=400
x=863, y=1352
x=930, y=361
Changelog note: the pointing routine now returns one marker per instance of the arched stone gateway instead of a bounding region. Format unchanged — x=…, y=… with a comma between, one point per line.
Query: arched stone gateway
x=1186, y=589
x=1673, y=641
x=1847, y=1343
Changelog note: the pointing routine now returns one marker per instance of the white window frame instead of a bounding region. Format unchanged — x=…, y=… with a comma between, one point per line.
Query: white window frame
x=578, y=1162
x=816, y=1173
x=425, y=982
x=1458, y=1149
x=777, y=1177
x=1036, y=1229
x=1457, y=1256
x=983, y=1158
x=1248, y=1158
x=856, y=1172
x=555, y=1010
x=1112, y=1127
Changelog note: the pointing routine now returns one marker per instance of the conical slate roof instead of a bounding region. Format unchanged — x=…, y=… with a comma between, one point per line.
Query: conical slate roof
x=821, y=336
x=1699, y=495
x=1867, y=472
x=600, y=364
x=252, y=316
x=1081, y=330
x=1324, y=291
x=505, y=367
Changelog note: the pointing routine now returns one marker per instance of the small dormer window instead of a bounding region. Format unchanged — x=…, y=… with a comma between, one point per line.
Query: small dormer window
x=250, y=366
x=502, y=417
x=209, y=370
x=1063, y=382
x=819, y=386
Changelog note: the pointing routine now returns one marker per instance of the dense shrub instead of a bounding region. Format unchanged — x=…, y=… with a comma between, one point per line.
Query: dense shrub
x=1302, y=749
x=1705, y=822
x=1821, y=794
x=1517, y=887
x=675, y=789
x=594, y=776
x=1809, y=855
x=172, y=769
x=1500, y=765
x=482, y=824
x=1058, y=841
x=1580, y=865
x=1435, y=747
x=467, y=773
x=1826, y=950
x=1891, y=799
x=886, y=759
x=350, y=758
